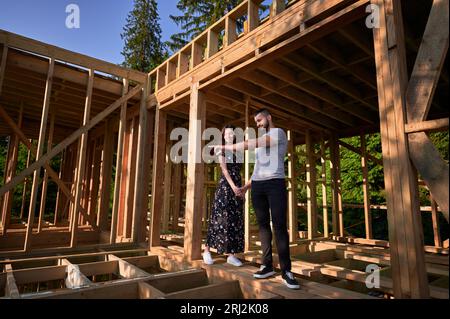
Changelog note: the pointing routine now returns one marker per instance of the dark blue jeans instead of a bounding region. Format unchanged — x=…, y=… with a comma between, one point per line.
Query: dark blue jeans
x=270, y=198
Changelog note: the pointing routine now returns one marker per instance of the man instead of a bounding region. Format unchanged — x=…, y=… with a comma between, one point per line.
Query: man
x=269, y=196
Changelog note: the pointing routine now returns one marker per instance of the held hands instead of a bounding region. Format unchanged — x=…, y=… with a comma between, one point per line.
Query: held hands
x=240, y=192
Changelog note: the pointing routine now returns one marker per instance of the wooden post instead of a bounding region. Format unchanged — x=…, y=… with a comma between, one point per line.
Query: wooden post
x=13, y=153
x=311, y=180
x=405, y=228
x=167, y=187
x=323, y=161
x=119, y=159
x=177, y=195
x=140, y=207
x=196, y=55
x=230, y=31
x=365, y=173
x=82, y=160
x=159, y=155
x=45, y=180
x=292, y=192
x=253, y=15
x=435, y=219
x=195, y=175
x=277, y=7
x=39, y=152
x=337, y=210
x=130, y=188
x=106, y=173
x=213, y=44
x=247, y=177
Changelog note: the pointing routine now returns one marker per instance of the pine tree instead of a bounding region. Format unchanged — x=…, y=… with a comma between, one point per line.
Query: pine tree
x=197, y=16
x=143, y=48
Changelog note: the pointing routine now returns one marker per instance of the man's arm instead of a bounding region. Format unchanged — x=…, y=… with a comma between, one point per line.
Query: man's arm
x=263, y=141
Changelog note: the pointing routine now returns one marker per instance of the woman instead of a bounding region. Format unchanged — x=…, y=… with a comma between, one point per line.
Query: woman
x=226, y=224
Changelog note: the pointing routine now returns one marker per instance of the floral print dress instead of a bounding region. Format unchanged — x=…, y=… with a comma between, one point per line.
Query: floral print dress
x=226, y=224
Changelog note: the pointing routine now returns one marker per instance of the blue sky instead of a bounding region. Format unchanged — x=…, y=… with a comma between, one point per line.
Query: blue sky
x=101, y=22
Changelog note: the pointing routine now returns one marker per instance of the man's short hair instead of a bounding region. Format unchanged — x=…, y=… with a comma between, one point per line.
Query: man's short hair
x=264, y=112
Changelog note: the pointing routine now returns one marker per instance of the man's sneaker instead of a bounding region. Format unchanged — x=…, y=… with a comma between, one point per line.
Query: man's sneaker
x=207, y=259
x=234, y=261
x=290, y=281
x=264, y=272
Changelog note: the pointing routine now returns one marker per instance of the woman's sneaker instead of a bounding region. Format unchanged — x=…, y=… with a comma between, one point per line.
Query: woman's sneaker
x=234, y=261
x=207, y=259
x=264, y=272
x=289, y=280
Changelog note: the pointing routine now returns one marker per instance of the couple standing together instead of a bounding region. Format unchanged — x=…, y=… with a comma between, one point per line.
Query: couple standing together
x=269, y=197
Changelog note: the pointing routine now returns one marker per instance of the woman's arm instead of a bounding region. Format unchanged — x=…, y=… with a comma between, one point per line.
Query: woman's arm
x=227, y=176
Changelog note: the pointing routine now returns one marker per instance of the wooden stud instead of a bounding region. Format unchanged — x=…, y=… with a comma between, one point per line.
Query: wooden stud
x=323, y=161
x=366, y=191
x=40, y=150
x=230, y=31
x=119, y=160
x=45, y=180
x=311, y=186
x=69, y=140
x=277, y=7
x=435, y=220
x=195, y=175
x=167, y=186
x=253, y=15
x=25, y=186
x=131, y=178
x=141, y=189
x=183, y=64
x=405, y=227
x=337, y=209
x=292, y=185
x=82, y=159
x=159, y=152
x=106, y=174
x=196, y=54
x=13, y=153
x=213, y=44
x=247, y=244
x=176, y=195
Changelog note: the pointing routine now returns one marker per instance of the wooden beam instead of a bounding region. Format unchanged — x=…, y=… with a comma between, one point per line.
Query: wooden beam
x=3, y=62
x=45, y=180
x=127, y=270
x=405, y=227
x=159, y=153
x=167, y=186
x=25, y=186
x=427, y=126
x=27, y=44
x=419, y=96
x=82, y=159
x=69, y=140
x=195, y=175
x=358, y=151
x=366, y=190
x=429, y=62
x=311, y=180
x=140, y=189
x=252, y=15
x=39, y=152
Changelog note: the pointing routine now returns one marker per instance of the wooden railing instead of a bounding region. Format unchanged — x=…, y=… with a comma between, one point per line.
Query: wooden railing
x=214, y=39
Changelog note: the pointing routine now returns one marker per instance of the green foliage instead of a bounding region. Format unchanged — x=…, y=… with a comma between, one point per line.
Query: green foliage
x=143, y=48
